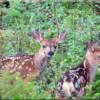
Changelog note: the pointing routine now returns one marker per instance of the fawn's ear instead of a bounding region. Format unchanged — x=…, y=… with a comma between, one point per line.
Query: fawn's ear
x=89, y=45
x=36, y=35
x=60, y=37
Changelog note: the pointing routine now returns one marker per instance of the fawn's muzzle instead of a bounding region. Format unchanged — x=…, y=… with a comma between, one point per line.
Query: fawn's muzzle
x=51, y=53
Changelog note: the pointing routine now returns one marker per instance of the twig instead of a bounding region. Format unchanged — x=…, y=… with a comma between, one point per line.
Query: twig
x=54, y=18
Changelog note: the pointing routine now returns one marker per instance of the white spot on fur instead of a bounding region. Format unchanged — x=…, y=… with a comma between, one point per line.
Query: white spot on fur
x=30, y=69
x=24, y=75
x=23, y=63
x=11, y=71
x=28, y=75
x=32, y=63
x=20, y=67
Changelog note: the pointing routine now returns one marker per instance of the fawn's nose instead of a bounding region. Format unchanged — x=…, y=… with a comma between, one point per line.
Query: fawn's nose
x=51, y=53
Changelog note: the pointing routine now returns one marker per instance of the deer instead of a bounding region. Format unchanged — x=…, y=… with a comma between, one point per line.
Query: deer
x=31, y=66
x=74, y=81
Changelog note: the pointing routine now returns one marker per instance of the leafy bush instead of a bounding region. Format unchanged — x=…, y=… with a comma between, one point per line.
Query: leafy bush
x=51, y=17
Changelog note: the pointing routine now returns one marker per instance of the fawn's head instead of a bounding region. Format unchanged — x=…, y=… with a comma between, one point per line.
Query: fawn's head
x=48, y=46
x=93, y=53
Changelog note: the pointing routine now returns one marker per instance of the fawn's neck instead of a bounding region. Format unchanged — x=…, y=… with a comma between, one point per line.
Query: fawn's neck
x=41, y=60
x=91, y=68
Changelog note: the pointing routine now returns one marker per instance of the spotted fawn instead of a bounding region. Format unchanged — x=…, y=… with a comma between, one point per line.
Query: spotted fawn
x=30, y=66
x=74, y=81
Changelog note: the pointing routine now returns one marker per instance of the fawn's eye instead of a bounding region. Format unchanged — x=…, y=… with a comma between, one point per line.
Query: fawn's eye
x=55, y=47
x=44, y=46
x=99, y=57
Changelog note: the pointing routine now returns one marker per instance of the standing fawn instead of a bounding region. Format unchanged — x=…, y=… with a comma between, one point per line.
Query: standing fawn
x=74, y=81
x=30, y=66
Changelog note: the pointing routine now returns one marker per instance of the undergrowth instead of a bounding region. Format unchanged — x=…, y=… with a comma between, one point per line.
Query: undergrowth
x=81, y=23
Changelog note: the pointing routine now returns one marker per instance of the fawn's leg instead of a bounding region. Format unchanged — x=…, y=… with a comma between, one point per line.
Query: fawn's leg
x=60, y=96
x=80, y=93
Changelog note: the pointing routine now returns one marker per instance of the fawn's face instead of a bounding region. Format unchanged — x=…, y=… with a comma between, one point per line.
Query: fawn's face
x=93, y=53
x=48, y=46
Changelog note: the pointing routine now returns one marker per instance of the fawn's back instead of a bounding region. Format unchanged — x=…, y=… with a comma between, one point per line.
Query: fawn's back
x=24, y=65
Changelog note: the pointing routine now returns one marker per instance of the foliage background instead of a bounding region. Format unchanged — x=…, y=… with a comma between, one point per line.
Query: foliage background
x=81, y=20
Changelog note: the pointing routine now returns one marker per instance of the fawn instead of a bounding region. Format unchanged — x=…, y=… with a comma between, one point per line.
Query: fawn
x=74, y=81
x=30, y=66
